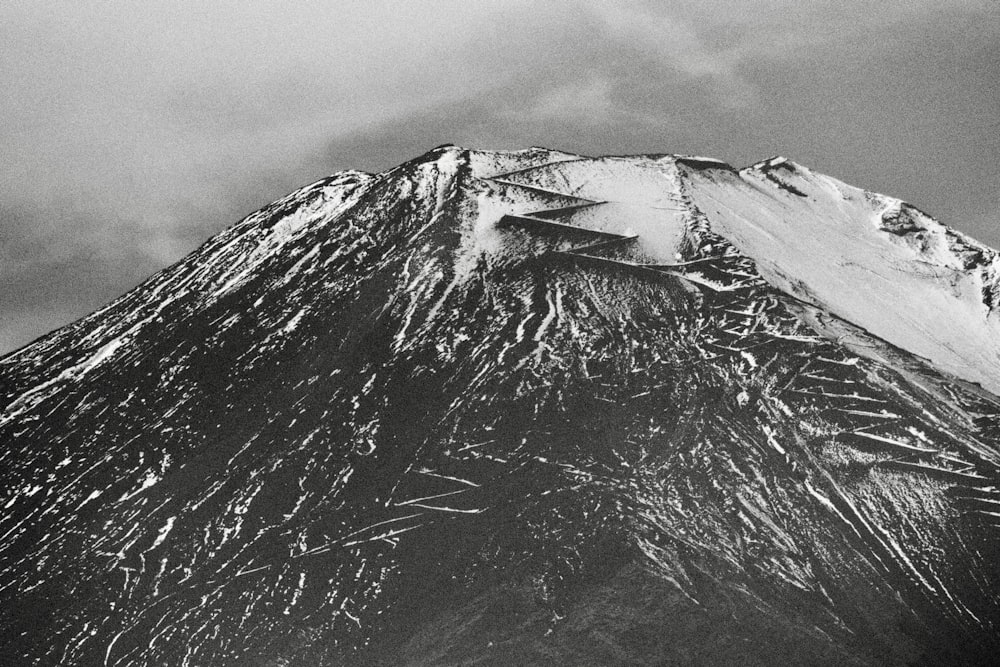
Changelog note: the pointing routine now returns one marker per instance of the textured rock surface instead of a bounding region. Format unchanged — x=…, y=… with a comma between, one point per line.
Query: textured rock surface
x=518, y=408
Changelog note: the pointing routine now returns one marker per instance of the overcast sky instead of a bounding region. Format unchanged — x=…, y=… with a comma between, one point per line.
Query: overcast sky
x=132, y=131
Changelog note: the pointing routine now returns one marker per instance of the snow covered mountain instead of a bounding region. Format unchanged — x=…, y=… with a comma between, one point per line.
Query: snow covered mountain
x=519, y=408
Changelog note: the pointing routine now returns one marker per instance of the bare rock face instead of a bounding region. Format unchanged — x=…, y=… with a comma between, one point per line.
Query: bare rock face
x=521, y=408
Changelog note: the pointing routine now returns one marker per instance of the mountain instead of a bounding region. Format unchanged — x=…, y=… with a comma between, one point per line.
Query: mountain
x=521, y=408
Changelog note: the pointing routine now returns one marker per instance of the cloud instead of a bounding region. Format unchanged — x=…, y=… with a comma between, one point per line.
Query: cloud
x=716, y=39
x=589, y=98
x=660, y=33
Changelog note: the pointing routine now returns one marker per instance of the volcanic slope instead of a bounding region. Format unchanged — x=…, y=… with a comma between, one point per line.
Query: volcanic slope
x=520, y=408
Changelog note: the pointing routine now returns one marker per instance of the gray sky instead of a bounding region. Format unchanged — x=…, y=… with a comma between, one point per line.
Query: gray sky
x=131, y=132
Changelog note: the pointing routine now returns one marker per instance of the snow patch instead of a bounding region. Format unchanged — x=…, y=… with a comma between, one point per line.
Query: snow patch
x=164, y=531
x=830, y=248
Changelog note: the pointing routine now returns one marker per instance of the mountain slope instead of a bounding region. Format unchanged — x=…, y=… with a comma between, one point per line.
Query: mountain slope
x=507, y=408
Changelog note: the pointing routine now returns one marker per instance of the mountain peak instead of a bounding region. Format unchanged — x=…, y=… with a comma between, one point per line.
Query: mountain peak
x=520, y=406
